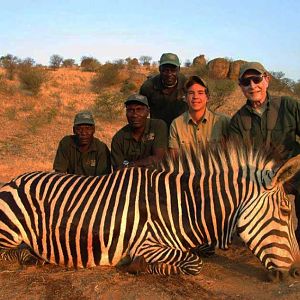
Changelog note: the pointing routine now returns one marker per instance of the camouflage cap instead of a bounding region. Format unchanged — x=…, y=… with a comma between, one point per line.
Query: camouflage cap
x=251, y=66
x=84, y=117
x=137, y=98
x=169, y=58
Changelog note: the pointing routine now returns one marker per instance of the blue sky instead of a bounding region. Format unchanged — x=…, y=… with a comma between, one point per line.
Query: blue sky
x=266, y=31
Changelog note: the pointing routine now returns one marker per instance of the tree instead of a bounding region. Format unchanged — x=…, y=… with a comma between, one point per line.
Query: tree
x=145, y=60
x=89, y=64
x=68, y=63
x=132, y=63
x=55, y=61
x=10, y=63
x=26, y=63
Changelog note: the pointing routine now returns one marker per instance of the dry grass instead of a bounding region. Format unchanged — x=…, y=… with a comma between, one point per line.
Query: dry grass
x=33, y=125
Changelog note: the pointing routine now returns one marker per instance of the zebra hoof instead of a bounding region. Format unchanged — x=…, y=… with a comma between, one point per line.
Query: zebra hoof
x=137, y=266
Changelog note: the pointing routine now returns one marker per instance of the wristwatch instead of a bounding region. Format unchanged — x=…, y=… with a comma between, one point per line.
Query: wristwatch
x=126, y=163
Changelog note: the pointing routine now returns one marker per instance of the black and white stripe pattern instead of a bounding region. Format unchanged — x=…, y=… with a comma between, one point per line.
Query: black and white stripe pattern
x=160, y=215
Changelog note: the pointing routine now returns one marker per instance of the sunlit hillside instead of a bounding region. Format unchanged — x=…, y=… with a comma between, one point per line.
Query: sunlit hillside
x=31, y=126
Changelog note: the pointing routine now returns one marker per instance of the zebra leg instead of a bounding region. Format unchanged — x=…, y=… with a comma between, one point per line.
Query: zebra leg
x=180, y=263
x=166, y=262
x=23, y=255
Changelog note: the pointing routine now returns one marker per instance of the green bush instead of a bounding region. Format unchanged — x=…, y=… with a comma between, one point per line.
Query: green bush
x=11, y=113
x=108, y=106
x=5, y=88
x=128, y=88
x=89, y=64
x=38, y=119
x=32, y=78
x=107, y=76
x=220, y=89
x=10, y=63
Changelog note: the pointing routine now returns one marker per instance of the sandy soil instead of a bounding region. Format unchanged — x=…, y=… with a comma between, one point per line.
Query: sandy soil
x=231, y=274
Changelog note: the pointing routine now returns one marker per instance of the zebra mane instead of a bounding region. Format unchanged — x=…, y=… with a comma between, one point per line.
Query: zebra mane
x=230, y=153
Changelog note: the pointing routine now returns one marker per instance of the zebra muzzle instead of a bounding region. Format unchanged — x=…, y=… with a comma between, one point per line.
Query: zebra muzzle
x=295, y=270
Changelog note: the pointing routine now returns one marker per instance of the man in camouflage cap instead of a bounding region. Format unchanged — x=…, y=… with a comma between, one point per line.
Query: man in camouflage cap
x=82, y=153
x=143, y=141
x=165, y=91
x=268, y=121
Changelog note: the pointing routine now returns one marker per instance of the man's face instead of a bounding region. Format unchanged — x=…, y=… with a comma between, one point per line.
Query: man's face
x=169, y=74
x=254, y=85
x=84, y=133
x=196, y=98
x=136, y=115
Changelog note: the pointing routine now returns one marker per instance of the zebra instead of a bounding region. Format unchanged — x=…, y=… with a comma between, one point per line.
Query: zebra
x=156, y=220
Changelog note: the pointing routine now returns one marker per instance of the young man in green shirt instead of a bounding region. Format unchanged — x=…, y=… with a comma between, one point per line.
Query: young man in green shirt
x=142, y=141
x=82, y=153
x=268, y=121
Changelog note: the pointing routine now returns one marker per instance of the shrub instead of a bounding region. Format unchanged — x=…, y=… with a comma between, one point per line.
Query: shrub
x=10, y=64
x=38, y=119
x=31, y=79
x=296, y=89
x=11, y=113
x=220, y=89
x=108, y=106
x=128, y=88
x=5, y=88
x=68, y=63
x=89, y=64
x=107, y=75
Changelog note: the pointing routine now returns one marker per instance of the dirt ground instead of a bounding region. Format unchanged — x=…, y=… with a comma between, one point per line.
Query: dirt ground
x=231, y=274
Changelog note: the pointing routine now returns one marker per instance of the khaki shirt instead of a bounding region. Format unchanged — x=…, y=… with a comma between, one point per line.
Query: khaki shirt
x=125, y=148
x=185, y=133
x=69, y=159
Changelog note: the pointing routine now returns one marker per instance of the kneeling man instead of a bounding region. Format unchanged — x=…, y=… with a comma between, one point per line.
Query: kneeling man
x=143, y=141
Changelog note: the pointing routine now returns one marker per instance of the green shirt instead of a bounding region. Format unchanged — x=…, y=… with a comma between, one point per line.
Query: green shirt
x=164, y=106
x=287, y=126
x=94, y=162
x=185, y=133
x=125, y=147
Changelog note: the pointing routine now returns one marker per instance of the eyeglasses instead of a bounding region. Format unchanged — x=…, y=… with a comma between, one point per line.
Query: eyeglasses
x=255, y=79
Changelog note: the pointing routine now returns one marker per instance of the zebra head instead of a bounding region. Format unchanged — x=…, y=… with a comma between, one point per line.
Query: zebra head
x=266, y=224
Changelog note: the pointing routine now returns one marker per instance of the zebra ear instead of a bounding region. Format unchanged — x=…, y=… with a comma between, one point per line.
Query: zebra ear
x=287, y=171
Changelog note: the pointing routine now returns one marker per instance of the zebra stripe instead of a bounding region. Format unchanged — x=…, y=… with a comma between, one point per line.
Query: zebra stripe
x=164, y=219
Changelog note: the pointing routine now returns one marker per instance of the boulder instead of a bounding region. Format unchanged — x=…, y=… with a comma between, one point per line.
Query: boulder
x=199, y=61
x=234, y=69
x=218, y=68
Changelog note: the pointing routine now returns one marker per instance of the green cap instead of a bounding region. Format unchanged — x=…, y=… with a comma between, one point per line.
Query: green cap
x=169, y=58
x=251, y=66
x=84, y=117
x=137, y=98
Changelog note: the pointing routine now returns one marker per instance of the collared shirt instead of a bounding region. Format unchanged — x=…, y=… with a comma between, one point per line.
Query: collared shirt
x=69, y=159
x=185, y=133
x=163, y=105
x=287, y=126
x=125, y=148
